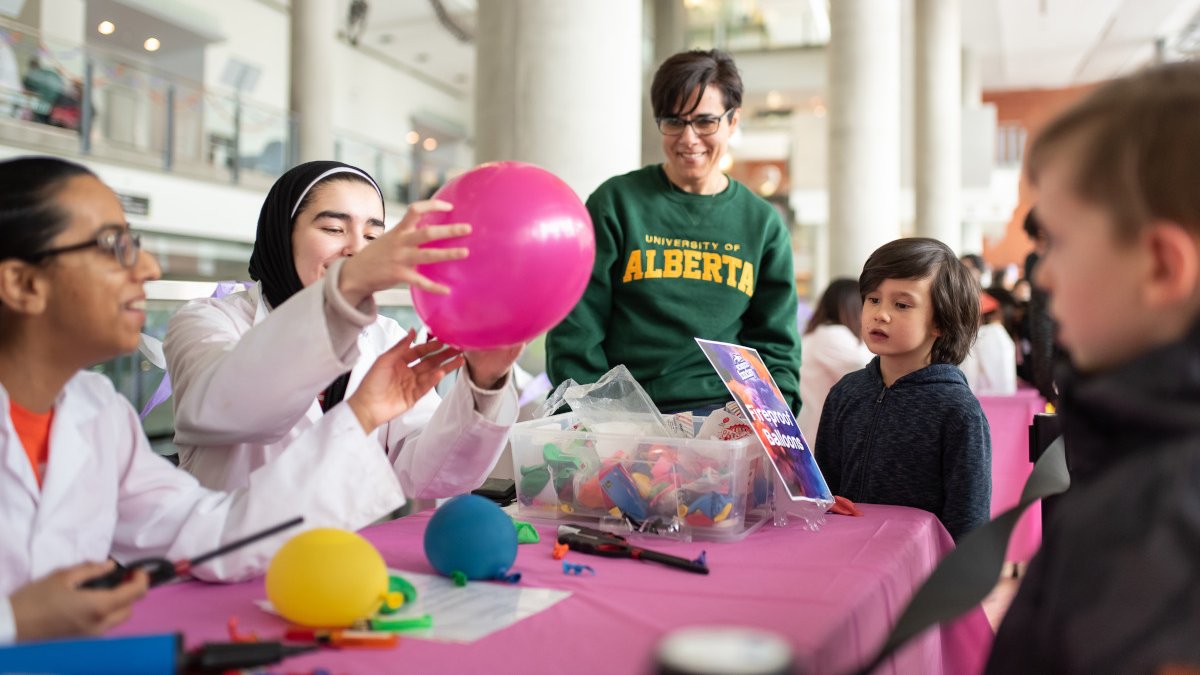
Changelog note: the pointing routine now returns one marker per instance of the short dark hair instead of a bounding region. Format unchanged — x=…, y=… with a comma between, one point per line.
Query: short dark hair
x=29, y=217
x=682, y=74
x=1131, y=147
x=841, y=303
x=954, y=291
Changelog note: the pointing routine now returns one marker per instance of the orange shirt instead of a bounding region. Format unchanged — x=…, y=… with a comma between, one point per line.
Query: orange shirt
x=34, y=431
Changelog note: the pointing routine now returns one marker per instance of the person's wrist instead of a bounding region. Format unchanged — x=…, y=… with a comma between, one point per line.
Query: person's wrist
x=350, y=285
x=485, y=379
x=362, y=411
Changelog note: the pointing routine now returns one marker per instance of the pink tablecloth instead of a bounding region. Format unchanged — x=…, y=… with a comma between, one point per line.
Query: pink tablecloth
x=1009, y=418
x=833, y=594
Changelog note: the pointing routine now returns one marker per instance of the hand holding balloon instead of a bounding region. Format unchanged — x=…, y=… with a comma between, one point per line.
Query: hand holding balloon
x=532, y=251
x=391, y=259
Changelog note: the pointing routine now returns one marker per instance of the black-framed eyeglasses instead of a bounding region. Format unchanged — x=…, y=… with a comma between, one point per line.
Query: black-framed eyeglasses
x=703, y=125
x=124, y=245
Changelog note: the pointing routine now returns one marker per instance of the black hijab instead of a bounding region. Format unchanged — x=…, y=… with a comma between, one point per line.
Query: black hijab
x=272, y=263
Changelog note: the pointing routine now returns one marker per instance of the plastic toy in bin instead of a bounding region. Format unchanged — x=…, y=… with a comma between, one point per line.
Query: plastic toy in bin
x=618, y=485
x=631, y=482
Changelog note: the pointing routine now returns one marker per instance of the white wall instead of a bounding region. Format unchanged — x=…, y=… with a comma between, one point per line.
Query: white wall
x=372, y=99
x=375, y=100
x=255, y=33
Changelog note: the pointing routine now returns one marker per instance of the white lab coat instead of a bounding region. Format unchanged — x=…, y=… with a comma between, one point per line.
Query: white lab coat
x=827, y=354
x=991, y=365
x=105, y=492
x=245, y=383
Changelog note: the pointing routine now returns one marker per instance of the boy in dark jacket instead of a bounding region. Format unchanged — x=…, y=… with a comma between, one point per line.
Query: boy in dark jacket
x=906, y=430
x=1116, y=587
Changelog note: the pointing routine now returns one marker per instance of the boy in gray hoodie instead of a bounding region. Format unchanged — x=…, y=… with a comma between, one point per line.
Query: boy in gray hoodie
x=906, y=430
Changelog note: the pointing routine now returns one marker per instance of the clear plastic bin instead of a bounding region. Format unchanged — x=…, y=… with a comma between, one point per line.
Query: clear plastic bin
x=686, y=488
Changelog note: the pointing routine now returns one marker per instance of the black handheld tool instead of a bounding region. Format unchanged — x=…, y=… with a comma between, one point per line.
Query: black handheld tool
x=596, y=542
x=162, y=570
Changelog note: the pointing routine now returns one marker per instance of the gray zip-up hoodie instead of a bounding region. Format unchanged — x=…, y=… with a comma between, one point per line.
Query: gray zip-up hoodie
x=923, y=442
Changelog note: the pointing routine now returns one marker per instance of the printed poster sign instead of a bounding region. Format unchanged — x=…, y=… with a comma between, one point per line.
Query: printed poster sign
x=751, y=384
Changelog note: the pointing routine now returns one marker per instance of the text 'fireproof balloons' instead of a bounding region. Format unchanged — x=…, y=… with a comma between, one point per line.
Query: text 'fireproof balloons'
x=531, y=253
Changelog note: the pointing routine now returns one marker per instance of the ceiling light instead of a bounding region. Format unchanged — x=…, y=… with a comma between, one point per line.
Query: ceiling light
x=151, y=44
x=430, y=144
x=106, y=27
x=412, y=137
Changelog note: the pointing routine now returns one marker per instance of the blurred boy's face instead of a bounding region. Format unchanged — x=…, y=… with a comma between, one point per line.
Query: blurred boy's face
x=897, y=324
x=1094, y=281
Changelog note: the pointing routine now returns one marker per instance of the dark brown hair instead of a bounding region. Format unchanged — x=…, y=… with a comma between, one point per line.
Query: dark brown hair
x=1132, y=148
x=678, y=78
x=841, y=303
x=954, y=291
x=29, y=215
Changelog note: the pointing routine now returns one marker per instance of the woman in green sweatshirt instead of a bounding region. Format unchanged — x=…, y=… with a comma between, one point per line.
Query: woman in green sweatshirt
x=684, y=251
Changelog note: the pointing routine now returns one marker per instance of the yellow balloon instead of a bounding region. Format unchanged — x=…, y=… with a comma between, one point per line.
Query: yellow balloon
x=327, y=578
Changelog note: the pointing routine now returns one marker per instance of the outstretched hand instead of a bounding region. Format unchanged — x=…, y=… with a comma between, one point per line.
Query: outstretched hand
x=55, y=606
x=392, y=259
x=399, y=378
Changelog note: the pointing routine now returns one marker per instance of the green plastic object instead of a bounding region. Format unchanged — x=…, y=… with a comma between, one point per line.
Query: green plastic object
x=526, y=533
x=534, y=479
x=459, y=578
x=402, y=624
x=397, y=584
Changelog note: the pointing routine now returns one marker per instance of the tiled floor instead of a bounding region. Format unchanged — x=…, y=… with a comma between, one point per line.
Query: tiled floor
x=997, y=602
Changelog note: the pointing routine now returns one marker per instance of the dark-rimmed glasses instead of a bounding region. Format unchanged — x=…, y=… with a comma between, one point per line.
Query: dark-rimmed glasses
x=123, y=243
x=703, y=125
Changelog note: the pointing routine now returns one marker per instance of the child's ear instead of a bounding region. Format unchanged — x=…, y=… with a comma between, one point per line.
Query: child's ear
x=1175, y=264
x=22, y=288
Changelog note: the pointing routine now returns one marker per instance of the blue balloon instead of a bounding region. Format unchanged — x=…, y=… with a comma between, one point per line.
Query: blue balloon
x=470, y=534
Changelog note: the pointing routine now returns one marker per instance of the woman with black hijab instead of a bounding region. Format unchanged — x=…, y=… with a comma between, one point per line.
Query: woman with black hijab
x=255, y=370
x=80, y=482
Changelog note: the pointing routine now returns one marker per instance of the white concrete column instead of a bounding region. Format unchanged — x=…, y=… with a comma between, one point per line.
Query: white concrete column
x=669, y=33
x=864, y=131
x=938, y=118
x=314, y=41
x=559, y=84
x=972, y=102
x=972, y=80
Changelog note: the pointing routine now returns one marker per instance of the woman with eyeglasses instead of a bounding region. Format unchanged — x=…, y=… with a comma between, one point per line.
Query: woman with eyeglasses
x=683, y=251
x=253, y=371
x=79, y=482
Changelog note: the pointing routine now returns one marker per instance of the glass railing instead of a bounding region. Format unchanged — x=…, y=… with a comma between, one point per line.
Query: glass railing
x=392, y=168
x=73, y=99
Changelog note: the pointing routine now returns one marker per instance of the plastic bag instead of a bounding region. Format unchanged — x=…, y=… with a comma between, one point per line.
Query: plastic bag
x=616, y=403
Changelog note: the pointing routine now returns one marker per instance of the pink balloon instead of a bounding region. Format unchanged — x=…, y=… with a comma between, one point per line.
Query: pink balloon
x=531, y=254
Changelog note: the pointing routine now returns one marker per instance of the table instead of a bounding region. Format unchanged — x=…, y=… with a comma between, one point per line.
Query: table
x=1009, y=418
x=834, y=594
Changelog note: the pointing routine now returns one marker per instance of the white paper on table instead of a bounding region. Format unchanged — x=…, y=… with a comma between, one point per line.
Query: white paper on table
x=465, y=613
